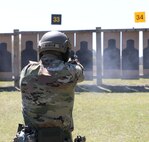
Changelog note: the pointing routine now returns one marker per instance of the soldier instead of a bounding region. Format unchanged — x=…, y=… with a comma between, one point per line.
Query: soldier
x=47, y=89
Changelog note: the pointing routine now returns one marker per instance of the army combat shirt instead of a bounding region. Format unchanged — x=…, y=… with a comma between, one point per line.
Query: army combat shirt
x=47, y=89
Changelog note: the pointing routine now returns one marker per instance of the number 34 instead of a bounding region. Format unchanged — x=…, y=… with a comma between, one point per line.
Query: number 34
x=139, y=17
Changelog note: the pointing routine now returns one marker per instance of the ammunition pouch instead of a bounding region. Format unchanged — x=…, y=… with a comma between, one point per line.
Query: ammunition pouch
x=25, y=134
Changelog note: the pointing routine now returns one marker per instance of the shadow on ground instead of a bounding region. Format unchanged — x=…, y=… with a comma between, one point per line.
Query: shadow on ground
x=8, y=89
x=95, y=88
x=111, y=88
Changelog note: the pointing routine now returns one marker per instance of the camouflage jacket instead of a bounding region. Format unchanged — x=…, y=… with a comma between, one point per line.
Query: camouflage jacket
x=47, y=89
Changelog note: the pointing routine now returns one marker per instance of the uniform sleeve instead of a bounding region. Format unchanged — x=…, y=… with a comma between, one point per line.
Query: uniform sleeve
x=77, y=70
x=22, y=74
x=27, y=71
x=80, y=72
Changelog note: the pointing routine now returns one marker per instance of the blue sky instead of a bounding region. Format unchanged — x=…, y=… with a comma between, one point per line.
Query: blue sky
x=35, y=15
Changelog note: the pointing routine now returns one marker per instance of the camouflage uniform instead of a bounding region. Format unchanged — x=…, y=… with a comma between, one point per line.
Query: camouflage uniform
x=47, y=89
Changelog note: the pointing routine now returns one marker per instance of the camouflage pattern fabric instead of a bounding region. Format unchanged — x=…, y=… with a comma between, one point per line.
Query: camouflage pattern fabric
x=47, y=89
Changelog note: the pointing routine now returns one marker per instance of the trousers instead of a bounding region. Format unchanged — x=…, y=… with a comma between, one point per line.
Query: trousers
x=52, y=134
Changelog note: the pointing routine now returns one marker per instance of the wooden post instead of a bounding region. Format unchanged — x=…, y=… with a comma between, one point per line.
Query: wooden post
x=16, y=61
x=98, y=56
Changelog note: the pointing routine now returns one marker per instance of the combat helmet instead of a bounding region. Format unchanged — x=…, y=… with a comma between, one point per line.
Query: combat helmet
x=55, y=41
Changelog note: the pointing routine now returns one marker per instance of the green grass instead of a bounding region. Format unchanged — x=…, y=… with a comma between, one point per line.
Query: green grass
x=10, y=115
x=6, y=83
x=101, y=117
x=112, y=117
